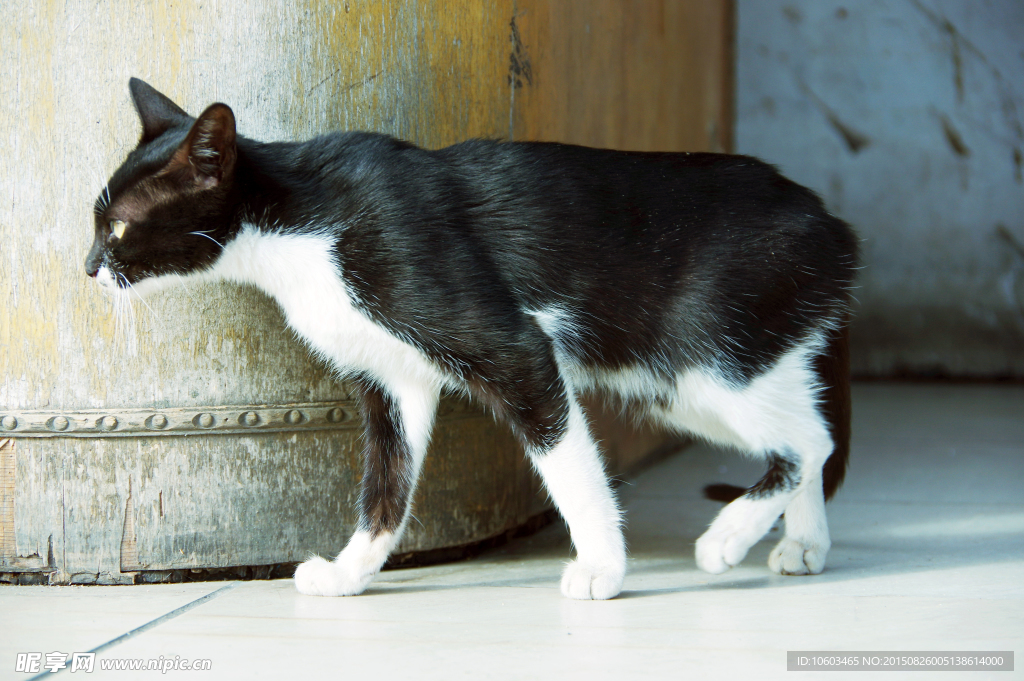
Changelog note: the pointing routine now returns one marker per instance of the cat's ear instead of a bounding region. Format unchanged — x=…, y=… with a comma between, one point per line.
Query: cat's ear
x=208, y=152
x=157, y=112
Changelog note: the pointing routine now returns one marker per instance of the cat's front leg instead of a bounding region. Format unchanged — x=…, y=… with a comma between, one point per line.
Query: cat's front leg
x=397, y=423
x=574, y=477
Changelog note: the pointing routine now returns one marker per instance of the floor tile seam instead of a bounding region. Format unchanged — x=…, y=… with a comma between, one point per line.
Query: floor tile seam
x=149, y=625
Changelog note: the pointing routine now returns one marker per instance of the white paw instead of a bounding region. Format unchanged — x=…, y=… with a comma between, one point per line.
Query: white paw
x=319, y=577
x=585, y=582
x=718, y=550
x=791, y=557
x=737, y=527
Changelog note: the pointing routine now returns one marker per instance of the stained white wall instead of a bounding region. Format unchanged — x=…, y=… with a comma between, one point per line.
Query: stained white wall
x=906, y=115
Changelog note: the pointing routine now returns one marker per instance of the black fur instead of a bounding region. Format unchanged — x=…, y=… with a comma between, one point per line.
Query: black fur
x=387, y=477
x=782, y=475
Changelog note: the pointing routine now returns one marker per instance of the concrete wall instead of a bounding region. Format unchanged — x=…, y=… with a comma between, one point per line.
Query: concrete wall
x=906, y=115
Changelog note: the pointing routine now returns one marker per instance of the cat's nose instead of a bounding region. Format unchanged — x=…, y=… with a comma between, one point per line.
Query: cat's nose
x=94, y=259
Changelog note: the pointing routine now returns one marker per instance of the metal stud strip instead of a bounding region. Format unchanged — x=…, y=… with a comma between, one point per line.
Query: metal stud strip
x=226, y=420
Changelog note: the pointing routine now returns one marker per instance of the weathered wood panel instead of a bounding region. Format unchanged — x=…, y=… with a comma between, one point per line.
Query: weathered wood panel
x=645, y=75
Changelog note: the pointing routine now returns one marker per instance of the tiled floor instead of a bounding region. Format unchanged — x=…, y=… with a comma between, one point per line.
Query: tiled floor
x=928, y=554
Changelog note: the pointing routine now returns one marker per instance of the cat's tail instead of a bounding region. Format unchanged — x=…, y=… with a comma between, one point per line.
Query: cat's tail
x=833, y=369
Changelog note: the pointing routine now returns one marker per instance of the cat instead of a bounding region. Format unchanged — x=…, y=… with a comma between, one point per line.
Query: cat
x=707, y=290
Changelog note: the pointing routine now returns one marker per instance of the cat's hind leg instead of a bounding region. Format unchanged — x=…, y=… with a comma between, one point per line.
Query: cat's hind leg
x=777, y=417
x=803, y=549
x=397, y=421
x=790, y=486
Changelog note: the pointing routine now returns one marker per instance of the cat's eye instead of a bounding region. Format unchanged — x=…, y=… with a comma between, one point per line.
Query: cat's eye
x=117, y=228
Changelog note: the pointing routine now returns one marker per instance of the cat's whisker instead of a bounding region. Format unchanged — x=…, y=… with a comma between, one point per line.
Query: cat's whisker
x=185, y=285
x=141, y=299
x=122, y=329
x=124, y=290
x=102, y=201
x=202, y=234
x=117, y=318
x=130, y=336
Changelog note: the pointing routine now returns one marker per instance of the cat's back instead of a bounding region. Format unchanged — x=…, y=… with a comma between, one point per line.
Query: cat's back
x=528, y=206
x=598, y=214
x=603, y=193
x=542, y=186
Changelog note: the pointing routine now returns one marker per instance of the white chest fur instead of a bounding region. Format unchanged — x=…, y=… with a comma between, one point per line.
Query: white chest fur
x=301, y=272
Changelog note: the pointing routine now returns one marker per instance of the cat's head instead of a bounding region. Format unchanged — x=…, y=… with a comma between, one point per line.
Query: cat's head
x=168, y=209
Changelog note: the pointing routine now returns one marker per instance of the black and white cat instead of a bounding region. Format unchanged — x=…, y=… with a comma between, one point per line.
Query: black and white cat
x=706, y=289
